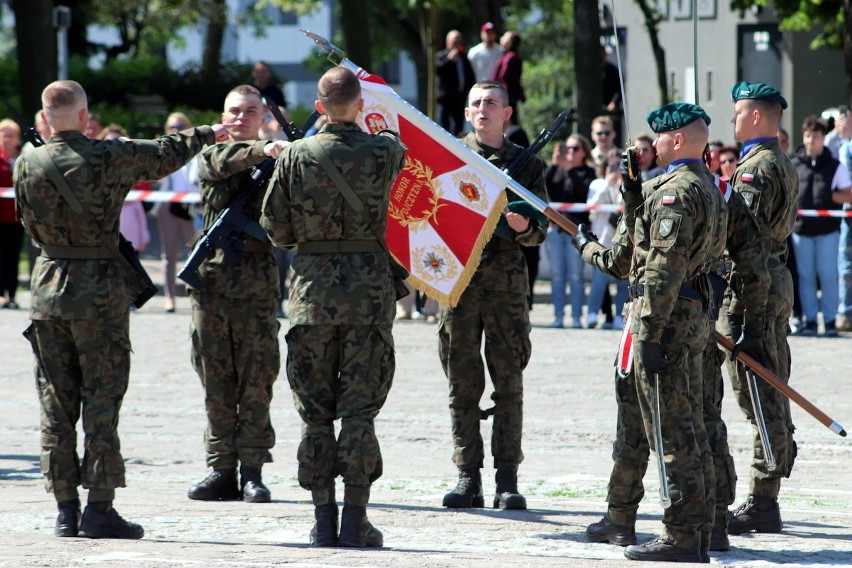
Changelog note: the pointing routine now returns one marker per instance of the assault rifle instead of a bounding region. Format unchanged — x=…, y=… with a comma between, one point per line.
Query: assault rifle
x=144, y=288
x=224, y=232
x=545, y=136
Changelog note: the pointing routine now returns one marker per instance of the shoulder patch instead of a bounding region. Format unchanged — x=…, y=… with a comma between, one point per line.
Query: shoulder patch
x=666, y=226
x=668, y=200
x=747, y=177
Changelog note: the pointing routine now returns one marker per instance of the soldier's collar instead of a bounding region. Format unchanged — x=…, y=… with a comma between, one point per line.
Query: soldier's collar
x=676, y=163
x=754, y=142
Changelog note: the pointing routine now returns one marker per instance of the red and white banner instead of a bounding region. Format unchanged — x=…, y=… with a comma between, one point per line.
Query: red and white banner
x=444, y=205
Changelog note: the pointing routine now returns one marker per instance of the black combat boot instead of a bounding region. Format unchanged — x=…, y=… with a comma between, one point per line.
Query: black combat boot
x=356, y=531
x=68, y=520
x=100, y=520
x=507, y=490
x=704, y=549
x=468, y=491
x=758, y=514
x=607, y=531
x=324, y=531
x=660, y=550
x=252, y=487
x=719, y=541
x=219, y=485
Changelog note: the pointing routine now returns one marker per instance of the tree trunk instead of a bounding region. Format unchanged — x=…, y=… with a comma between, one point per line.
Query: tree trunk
x=37, y=64
x=354, y=23
x=587, y=65
x=652, y=19
x=847, y=49
x=211, y=58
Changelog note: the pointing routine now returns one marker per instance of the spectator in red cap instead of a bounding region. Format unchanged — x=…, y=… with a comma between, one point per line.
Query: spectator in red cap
x=483, y=56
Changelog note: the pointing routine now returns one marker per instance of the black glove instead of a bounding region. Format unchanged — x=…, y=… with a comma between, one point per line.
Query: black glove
x=751, y=342
x=583, y=237
x=631, y=181
x=653, y=357
x=736, y=323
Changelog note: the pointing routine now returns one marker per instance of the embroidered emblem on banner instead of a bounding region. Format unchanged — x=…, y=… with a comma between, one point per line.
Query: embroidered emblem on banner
x=470, y=187
x=376, y=118
x=414, y=200
x=666, y=227
x=435, y=264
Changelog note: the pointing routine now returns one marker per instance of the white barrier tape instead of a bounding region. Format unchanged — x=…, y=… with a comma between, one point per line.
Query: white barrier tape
x=191, y=197
x=139, y=195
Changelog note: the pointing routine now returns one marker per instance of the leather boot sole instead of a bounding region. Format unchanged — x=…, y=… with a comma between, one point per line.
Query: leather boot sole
x=456, y=501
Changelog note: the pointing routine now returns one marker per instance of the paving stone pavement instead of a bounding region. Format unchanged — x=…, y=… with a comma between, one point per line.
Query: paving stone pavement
x=568, y=432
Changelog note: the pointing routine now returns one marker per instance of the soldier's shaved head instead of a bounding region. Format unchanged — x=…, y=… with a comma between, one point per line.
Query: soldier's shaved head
x=338, y=90
x=62, y=102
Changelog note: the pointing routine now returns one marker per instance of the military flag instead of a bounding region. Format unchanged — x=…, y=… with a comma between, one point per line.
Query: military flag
x=444, y=205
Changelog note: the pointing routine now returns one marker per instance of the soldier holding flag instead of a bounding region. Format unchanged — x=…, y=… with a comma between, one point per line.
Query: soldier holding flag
x=495, y=305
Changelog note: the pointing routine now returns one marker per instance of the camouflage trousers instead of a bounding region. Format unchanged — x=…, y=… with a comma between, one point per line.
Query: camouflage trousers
x=339, y=372
x=686, y=449
x=81, y=365
x=503, y=319
x=235, y=353
x=717, y=432
x=776, y=406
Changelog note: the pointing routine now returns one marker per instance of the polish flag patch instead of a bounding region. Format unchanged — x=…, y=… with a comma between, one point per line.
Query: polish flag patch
x=747, y=177
x=669, y=200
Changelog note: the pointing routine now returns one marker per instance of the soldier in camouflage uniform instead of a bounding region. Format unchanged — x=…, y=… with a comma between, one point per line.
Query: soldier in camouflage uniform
x=767, y=180
x=234, y=325
x=679, y=230
x=340, y=350
x=80, y=299
x=496, y=305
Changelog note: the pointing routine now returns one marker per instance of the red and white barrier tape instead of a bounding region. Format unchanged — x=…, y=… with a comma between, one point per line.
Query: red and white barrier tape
x=186, y=197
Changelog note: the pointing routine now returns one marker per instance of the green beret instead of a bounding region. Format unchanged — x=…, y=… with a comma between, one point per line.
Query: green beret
x=675, y=115
x=759, y=91
x=527, y=210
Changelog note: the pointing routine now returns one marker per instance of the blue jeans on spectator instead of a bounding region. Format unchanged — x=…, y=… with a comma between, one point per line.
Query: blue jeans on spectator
x=566, y=265
x=816, y=257
x=596, y=293
x=844, y=267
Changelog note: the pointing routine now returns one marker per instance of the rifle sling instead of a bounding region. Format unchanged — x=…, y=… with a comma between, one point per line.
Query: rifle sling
x=348, y=194
x=48, y=164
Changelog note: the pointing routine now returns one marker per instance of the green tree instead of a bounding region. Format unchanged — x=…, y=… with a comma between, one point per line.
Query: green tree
x=832, y=17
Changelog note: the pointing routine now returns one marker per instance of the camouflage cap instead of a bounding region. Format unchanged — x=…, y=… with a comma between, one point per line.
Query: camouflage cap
x=759, y=91
x=674, y=116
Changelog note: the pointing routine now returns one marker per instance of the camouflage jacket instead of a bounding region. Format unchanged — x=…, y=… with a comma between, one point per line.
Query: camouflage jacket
x=506, y=270
x=101, y=173
x=768, y=182
x=680, y=230
x=749, y=279
x=224, y=171
x=303, y=204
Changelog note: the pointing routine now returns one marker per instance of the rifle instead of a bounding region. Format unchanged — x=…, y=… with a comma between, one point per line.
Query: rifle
x=145, y=287
x=223, y=232
x=27, y=129
x=545, y=136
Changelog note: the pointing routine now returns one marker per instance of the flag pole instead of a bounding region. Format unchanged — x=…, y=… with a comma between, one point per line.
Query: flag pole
x=338, y=57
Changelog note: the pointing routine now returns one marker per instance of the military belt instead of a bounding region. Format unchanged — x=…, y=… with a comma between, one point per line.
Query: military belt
x=253, y=247
x=686, y=292
x=332, y=247
x=498, y=244
x=75, y=253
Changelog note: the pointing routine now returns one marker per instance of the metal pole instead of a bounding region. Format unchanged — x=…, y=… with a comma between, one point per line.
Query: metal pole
x=62, y=21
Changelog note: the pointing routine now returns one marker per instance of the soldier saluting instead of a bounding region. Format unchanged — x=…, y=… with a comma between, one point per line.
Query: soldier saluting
x=80, y=298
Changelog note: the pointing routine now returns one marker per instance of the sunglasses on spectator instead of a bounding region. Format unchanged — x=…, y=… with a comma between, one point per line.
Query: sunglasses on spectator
x=178, y=126
x=573, y=148
x=728, y=161
x=603, y=132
